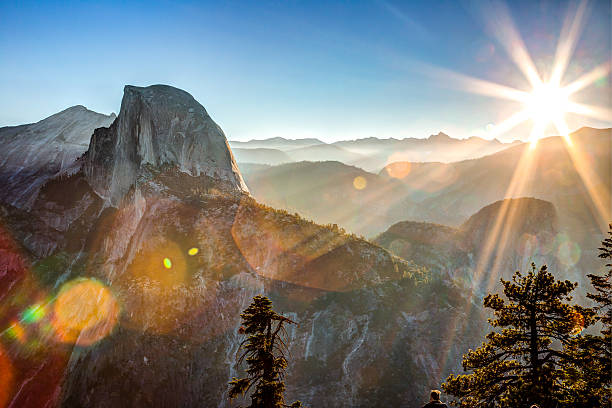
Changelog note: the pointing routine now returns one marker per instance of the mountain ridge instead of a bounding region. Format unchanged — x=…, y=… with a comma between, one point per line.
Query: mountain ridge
x=372, y=154
x=35, y=153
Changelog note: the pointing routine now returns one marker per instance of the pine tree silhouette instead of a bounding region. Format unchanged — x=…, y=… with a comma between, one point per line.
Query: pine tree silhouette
x=264, y=350
x=521, y=364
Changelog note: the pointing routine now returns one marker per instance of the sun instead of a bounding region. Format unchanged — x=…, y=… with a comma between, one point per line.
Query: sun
x=547, y=103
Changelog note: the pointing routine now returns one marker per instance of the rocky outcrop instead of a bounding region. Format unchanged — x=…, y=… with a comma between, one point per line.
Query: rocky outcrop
x=33, y=154
x=499, y=239
x=521, y=216
x=158, y=126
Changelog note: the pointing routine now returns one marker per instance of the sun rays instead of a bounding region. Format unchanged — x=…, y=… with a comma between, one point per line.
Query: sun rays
x=546, y=104
x=548, y=100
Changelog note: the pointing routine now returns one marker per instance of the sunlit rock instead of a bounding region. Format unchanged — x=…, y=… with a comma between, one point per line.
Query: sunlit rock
x=158, y=126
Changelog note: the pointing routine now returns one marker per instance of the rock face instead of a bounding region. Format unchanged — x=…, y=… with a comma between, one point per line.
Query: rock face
x=35, y=153
x=158, y=125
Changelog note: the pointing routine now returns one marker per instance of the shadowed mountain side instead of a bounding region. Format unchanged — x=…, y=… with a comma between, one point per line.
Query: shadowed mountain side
x=34, y=153
x=331, y=193
x=181, y=318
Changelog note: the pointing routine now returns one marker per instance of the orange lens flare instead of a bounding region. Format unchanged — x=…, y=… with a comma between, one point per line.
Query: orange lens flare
x=399, y=170
x=6, y=378
x=577, y=323
x=288, y=257
x=360, y=182
x=153, y=286
x=85, y=312
x=17, y=332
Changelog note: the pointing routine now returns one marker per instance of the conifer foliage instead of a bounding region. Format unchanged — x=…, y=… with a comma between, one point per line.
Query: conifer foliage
x=264, y=351
x=521, y=364
x=588, y=382
x=603, y=289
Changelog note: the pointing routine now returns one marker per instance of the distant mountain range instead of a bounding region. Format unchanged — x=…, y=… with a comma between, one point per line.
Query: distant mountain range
x=449, y=193
x=446, y=193
x=370, y=154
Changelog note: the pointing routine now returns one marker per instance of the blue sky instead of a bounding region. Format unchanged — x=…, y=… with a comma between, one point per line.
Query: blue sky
x=332, y=70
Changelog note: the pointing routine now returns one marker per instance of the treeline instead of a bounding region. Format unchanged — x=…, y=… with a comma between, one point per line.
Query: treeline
x=540, y=352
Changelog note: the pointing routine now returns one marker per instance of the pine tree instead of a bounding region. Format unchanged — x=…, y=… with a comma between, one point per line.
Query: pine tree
x=587, y=382
x=264, y=350
x=603, y=289
x=521, y=363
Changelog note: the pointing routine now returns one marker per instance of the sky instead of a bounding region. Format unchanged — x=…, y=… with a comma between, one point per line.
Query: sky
x=334, y=70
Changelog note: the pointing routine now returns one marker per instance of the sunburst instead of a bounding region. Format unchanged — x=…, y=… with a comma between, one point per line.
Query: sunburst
x=547, y=102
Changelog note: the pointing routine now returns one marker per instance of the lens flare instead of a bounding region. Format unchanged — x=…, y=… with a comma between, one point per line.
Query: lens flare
x=84, y=312
x=528, y=245
x=577, y=321
x=289, y=257
x=193, y=251
x=547, y=102
x=17, y=332
x=569, y=253
x=6, y=378
x=153, y=286
x=33, y=314
x=167, y=263
x=360, y=183
x=398, y=170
